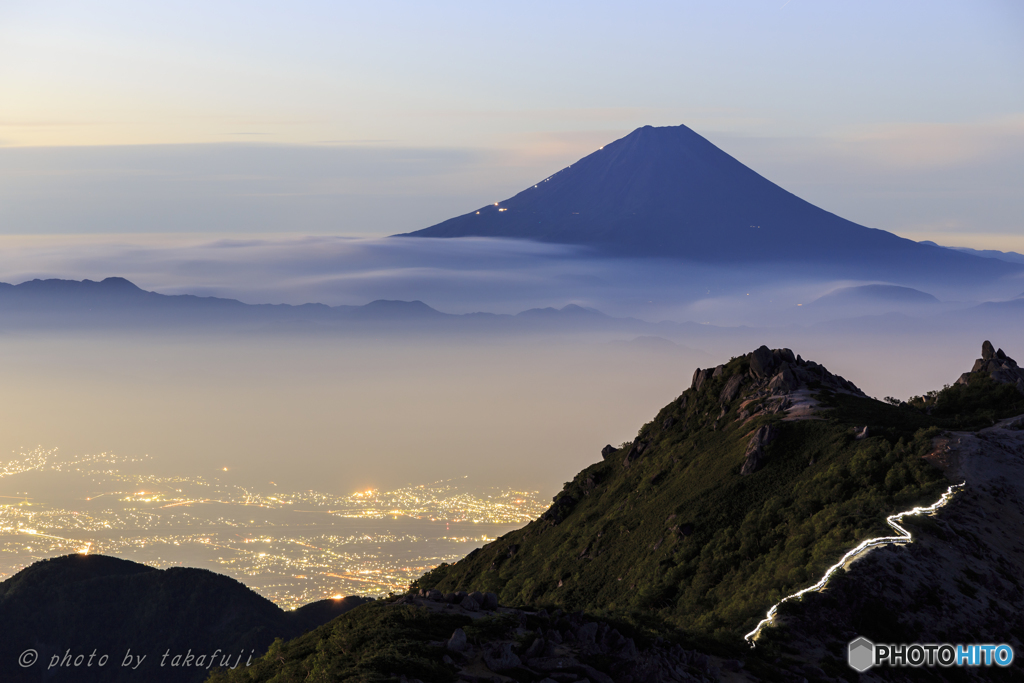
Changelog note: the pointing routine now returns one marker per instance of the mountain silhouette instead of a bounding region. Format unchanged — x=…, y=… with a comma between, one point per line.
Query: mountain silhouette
x=78, y=604
x=670, y=192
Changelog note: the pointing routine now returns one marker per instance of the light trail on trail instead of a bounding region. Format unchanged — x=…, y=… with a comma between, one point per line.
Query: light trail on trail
x=893, y=521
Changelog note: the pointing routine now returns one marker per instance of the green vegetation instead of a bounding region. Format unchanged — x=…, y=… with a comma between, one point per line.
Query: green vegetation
x=668, y=541
x=975, y=405
x=374, y=642
x=679, y=535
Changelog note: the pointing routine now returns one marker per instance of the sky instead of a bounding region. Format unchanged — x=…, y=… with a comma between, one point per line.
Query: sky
x=318, y=118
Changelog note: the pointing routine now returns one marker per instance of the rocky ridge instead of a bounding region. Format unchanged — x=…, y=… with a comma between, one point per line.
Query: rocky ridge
x=730, y=498
x=777, y=382
x=562, y=647
x=996, y=364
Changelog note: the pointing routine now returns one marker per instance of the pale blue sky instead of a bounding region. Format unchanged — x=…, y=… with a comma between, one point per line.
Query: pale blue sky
x=907, y=116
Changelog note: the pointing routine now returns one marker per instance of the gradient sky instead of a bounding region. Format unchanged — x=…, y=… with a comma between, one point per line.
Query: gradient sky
x=375, y=118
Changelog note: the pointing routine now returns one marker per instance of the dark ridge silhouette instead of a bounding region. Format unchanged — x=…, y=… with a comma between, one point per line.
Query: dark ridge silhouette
x=571, y=310
x=117, y=303
x=1011, y=256
x=84, y=603
x=668, y=192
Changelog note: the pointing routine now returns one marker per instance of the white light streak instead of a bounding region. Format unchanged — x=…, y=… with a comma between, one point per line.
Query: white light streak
x=893, y=521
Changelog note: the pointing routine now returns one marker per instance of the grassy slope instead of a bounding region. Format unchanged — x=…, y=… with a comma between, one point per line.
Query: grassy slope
x=753, y=538
x=370, y=643
x=622, y=546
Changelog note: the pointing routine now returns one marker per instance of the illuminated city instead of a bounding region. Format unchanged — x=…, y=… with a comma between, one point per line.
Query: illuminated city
x=291, y=547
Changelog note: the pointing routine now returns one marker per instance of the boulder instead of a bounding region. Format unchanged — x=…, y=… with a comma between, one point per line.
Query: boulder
x=490, y=601
x=784, y=382
x=458, y=642
x=587, y=632
x=762, y=362
x=731, y=390
x=700, y=377
x=536, y=649
x=754, y=457
x=607, y=451
x=987, y=351
x=501, y=658
x=469, y=604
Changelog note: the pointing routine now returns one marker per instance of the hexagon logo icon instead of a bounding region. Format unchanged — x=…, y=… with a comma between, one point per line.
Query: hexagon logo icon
x=861, y=654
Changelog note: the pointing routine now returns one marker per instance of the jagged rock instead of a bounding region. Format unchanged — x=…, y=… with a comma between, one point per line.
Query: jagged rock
x=561, y=508
x=862, y=433
x=719, y=371
x=762, y=362
x=997, y=365
x=501, y=658
x=635, y=451
x=536, y=649
x=784, y=382
x=458, y=642
x=607, y=451
x=587, y=632
x=731, y=390
x=699, y=377
x=548, y=664
x=754, y=457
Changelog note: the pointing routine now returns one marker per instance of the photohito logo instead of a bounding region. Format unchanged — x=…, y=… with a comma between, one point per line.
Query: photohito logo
x=863, y=654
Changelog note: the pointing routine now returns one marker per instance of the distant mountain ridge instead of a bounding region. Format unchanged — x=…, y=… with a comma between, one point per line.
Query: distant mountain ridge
x=116, y=304
x=1011, y=256
x=668, y=192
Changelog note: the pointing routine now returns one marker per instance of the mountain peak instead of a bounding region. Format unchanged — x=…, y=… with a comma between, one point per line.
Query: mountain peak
x=669, y=192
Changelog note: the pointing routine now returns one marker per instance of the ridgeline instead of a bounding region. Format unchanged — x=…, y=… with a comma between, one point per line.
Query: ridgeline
x=652, y=563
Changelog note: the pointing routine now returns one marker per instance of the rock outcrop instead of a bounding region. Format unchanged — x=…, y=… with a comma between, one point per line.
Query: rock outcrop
x=562, y=647
x=755, y=456
x=997, y=365
x=777, y=381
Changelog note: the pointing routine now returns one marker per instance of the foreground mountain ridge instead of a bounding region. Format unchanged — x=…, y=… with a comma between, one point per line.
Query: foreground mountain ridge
x=651, y=563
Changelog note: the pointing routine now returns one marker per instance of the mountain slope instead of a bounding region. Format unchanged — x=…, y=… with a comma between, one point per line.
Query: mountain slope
x=753, y=481
x=760, y=475
x=738, y=492
x=79, y=604
x=669, y=192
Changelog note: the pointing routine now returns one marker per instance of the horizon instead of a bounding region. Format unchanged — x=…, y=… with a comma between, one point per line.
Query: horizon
x=123, y=120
